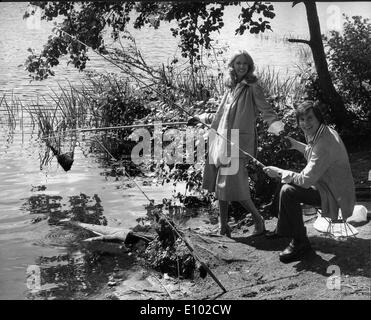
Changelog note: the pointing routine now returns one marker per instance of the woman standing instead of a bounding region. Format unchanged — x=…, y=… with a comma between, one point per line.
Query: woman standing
x=235, y=121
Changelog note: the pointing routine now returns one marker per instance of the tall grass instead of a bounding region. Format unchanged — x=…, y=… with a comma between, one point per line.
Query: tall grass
x=93, y=102
x=9, y=110
x=199, y=85
x=283, y=89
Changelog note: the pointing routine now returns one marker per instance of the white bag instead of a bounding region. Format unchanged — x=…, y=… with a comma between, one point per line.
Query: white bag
x=359, y=215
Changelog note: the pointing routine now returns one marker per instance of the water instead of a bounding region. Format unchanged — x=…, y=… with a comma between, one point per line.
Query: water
x=31, y=246
x=158, y=46
x=28, y=194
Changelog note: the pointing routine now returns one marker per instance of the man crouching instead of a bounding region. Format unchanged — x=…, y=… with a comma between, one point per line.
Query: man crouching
x=326, y=181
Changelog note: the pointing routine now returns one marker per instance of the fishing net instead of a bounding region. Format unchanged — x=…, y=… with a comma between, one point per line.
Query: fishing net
x=335, y=228
x=64, y=150
x=59, y=141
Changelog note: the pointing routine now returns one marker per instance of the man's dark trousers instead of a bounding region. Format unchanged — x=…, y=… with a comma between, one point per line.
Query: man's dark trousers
x=290, y=217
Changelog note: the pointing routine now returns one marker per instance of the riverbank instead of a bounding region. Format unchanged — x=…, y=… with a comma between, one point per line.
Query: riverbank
x=249, y=268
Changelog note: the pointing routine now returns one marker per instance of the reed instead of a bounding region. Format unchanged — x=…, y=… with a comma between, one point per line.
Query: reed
x=2, y=108
x=179, y=76
x=202, y=79
x=200, y=84
x=283, y=89
x=105, y=100
x=305, y=55
x=54, y=120
x=10, y=109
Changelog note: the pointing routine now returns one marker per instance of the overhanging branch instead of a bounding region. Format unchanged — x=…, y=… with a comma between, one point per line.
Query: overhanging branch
x=300, y=41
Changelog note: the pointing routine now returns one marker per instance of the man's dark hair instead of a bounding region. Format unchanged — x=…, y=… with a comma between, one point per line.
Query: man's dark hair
x=305, y=106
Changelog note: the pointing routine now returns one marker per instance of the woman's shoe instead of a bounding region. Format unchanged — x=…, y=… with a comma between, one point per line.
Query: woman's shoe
x=260, y=230
x=272, y=235
x=226, y=231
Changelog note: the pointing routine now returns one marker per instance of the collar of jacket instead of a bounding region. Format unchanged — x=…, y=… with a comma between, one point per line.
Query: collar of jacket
x=313, y=141
x=316, y=135
x=244, y=82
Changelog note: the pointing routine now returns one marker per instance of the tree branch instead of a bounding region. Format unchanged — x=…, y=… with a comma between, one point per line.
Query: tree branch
x=300, y=41
x=294, y=3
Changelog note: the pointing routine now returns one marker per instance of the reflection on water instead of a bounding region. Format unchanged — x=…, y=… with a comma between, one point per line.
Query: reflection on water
x=73, y=275
x=81, y=270
x=81, y=208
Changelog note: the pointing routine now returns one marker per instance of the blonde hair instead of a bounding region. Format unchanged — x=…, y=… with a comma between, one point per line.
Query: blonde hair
x=231, y=77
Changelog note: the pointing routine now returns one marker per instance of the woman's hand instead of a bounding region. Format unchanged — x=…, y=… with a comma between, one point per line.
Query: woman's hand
x=273, y=172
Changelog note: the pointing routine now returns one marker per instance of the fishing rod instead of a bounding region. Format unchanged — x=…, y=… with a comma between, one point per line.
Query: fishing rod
x=78, y=130
x=189, y=246
x=257, y=162
x=252, y=158
x=110, y=154
x=135, y=126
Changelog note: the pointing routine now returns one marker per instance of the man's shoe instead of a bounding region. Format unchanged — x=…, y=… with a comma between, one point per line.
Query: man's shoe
x=295, y=251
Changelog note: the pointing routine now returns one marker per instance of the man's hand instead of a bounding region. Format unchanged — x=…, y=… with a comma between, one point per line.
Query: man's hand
x=193, y=121
x=292, y=144
x=287, y=142
x=273, y=172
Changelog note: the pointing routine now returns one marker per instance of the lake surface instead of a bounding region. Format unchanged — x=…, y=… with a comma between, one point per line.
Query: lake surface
x=158, y=46
x=32, y=246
